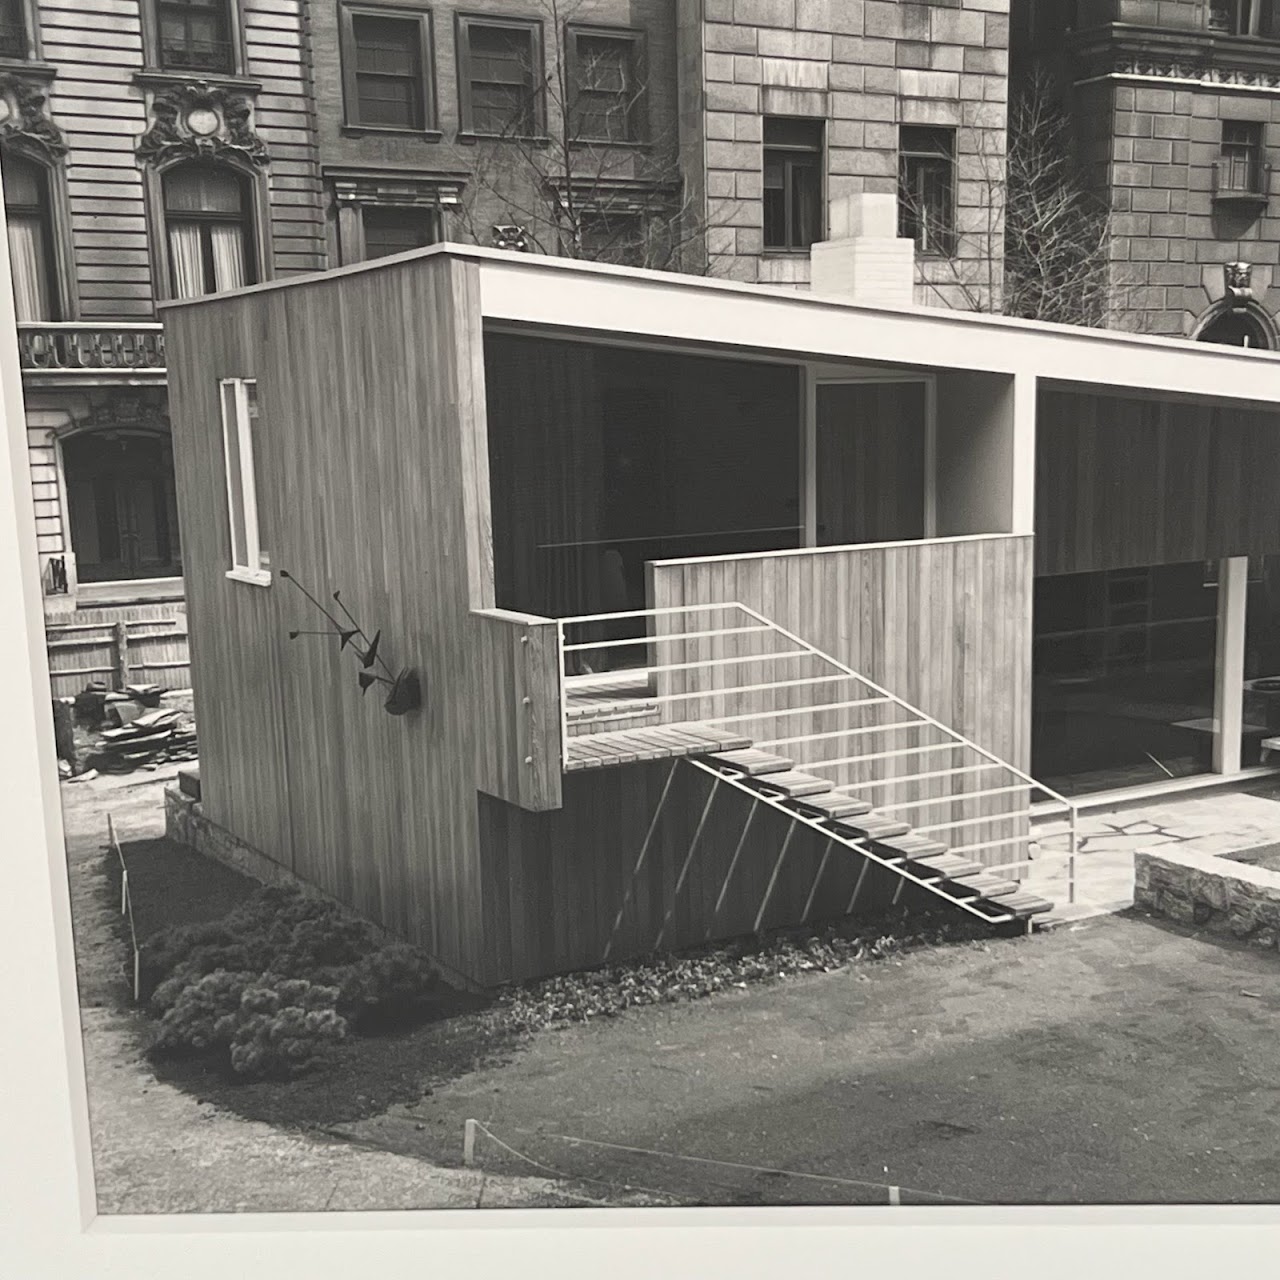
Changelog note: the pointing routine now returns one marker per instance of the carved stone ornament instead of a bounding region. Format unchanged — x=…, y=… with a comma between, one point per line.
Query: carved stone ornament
x=138, y=412
x=508, y=236
x=199, y=121
x=1238, y=277
x=24, y=126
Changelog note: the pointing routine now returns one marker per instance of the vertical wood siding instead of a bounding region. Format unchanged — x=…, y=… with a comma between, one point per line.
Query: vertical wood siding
x=360, y=489
x=1124, y=482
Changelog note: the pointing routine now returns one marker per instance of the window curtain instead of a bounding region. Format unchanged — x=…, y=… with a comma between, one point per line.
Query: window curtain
x=186, y=262
x=228, y=256
x=30, y=269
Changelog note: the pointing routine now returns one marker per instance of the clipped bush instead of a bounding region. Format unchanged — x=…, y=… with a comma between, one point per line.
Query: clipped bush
x=194, y=1021
x=276, y=981
x=282, y=1028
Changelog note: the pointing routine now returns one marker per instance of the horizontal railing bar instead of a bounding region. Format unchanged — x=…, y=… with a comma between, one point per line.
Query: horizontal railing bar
x=936, y=773
x=654, y=639
x=990, y=844
x=955, y=798
x=846, y=733
x=796, y=711
x=924, y=715
x=653, y=613
x=1029, y=862
x=744, y=660
x=972, y=822
x=745, y=688
x=818, y=766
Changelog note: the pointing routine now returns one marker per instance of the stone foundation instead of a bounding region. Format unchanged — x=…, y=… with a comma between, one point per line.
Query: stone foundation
x=1213, y=893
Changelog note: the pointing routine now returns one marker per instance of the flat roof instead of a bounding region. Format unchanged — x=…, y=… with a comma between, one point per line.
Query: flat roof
x=567, y=295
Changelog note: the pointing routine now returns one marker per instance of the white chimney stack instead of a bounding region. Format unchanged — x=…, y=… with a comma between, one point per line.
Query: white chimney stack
x=865, y=260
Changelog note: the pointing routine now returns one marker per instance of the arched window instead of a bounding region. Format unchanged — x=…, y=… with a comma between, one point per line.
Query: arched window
x=27, y=209
x=1236, y=328
x=207, y=227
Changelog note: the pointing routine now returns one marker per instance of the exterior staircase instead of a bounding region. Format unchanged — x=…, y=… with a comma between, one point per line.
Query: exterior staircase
x=843, y=782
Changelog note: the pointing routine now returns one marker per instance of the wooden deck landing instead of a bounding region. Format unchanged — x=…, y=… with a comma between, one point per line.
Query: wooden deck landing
x=590, y=751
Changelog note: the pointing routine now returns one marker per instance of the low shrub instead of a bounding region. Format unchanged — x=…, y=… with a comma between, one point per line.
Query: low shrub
x=276, y=981
x=282, y=1028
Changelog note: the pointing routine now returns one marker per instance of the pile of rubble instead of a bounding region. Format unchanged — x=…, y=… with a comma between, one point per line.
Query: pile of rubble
x=130, y=730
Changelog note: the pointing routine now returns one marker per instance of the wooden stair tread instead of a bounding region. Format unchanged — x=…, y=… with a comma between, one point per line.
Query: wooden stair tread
x=986, y=886
x=948, y=866
x=873, y=826
x=627, y=746
x=833, y=804
x=792, y=782
x=918, y=846
x=752, y=761
x=1026, y=904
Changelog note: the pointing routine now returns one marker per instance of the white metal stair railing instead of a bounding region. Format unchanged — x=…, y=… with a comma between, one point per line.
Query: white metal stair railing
x=801, y=666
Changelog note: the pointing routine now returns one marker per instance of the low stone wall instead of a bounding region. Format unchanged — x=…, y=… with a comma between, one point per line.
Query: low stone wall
x=1213, y=893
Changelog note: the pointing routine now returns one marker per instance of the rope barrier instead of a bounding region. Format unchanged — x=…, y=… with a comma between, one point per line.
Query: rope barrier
x=893, y=1192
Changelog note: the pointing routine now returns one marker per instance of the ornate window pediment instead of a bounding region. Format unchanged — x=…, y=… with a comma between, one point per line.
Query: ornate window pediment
x=24, y=123
x=201, y=121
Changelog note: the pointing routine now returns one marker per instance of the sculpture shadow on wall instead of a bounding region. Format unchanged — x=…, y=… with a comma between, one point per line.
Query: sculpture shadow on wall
x=405, y=688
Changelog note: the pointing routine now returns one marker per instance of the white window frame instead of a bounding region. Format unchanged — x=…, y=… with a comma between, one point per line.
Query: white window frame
x=255, y=570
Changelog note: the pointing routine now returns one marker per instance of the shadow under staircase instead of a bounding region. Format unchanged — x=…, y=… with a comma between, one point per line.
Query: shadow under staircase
x=952, y=833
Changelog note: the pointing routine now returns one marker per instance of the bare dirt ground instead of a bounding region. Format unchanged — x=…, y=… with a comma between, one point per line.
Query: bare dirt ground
x=158, y=1149
x=1115, y=1061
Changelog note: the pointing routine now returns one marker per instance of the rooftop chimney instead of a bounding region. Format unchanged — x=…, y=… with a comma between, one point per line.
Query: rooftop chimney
x=865, y=260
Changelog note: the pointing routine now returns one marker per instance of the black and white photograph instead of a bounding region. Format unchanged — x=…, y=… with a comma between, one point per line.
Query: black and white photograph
x=651, y=604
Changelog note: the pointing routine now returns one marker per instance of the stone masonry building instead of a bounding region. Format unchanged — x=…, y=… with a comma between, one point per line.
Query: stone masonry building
x=1177, y=108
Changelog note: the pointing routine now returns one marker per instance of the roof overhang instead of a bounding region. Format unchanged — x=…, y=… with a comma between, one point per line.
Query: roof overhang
x=615, y=303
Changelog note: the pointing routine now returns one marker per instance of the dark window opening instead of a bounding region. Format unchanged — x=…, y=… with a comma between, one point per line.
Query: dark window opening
x=607, y=93
x=1241, y=170
x=13, y=29
x=387, y=63
x=207, y=230
x=499, y=89
x=614, y=237
x=1236, y=329
x=792, y=183
x=1242, y=17
x=26, y=207
x=195, y=35
x=397, y=230
x=926, y=189
x=122, y=510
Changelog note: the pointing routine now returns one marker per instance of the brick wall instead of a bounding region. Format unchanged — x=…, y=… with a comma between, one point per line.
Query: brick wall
x=866, y=67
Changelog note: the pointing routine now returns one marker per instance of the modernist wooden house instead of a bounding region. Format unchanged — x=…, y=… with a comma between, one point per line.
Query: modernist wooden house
x=731, y=607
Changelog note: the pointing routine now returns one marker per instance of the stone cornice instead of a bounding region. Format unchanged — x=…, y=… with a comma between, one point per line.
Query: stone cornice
x=1185, y=57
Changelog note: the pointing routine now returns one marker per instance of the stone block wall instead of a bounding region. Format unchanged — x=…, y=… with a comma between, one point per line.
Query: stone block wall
x=865, y=67
x=1229, y=898
x=1171, y=238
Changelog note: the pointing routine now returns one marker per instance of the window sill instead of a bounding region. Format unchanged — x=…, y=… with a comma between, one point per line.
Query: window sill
x=360, y=130
x=254, y=577
x=159, y=78
x=533, y=140
x=30, y=68
x=1240, y=197
x=773, y=251
x=611, y=144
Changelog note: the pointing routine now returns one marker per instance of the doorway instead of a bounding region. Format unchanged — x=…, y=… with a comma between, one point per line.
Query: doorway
x=121, y=506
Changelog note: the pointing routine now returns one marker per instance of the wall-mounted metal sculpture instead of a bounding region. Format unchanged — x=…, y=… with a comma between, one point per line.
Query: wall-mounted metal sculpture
x=405, y=688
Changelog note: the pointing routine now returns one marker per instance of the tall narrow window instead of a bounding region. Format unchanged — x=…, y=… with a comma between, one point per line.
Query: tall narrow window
x=14, y=42
x=26, y=208
x=387, y=68
x=792, y=183
x=501, y=76
x=1240, y=169
x=241, y=453
x=1242, y=17
x=607, y=92
x=207, y=226
x=397, y=230
x=926, y=189
x=195, y=35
